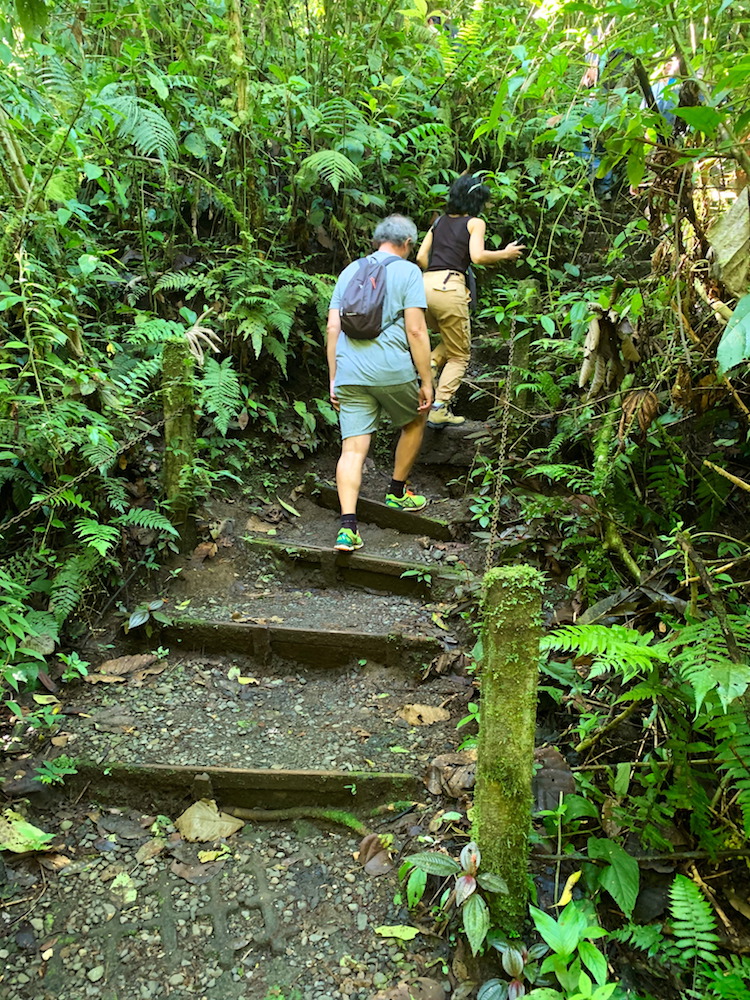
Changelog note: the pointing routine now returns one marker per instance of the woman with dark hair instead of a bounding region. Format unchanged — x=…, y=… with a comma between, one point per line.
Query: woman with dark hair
x=455, y=241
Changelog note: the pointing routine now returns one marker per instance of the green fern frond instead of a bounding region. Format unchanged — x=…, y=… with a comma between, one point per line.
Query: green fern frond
x=115, y=493
x=155, y=331
x=615, y=647
x=573, y=476
x=644, y=937
x=143, y=123
x=70, y=583
x=328, y=166
x=220, y=392
x=178, y=281
x=102, y=537
x=139, y=517
x=277, y=350
x=732, y=733
x=700, y=656
x=693, y=922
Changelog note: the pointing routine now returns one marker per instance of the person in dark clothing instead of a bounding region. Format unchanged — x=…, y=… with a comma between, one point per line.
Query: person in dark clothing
x=455, y=241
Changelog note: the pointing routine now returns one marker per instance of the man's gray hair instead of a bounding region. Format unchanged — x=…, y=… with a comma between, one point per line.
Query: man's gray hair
x=395, y=229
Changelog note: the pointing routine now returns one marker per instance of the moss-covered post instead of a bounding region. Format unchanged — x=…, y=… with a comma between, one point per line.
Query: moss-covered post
x=178, y=399
x=511, y=630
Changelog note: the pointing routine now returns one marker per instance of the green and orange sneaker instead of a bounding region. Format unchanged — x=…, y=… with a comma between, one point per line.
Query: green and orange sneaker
x=348, y=540
x=409, y=501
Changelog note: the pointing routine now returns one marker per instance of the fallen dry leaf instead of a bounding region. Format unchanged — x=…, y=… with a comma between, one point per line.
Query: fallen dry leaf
x=103, y=679
x=61, y=741
x=452, y=774
x=418, y=989
x=255, y=524
x=424, y=715
x=127, y=664
x=150, y=849
x=552, y=778
x=197, y=874
x=140, y=675
x=373, y=856
x=203, y=822
x=206, y=550
x=122, y=827
x=54, y=862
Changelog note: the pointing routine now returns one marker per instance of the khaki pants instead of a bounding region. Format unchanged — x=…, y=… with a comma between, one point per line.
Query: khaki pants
x=448, y=314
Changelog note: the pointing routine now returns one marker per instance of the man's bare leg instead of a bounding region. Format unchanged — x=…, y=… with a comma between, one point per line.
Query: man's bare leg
x=408, y=447
x=349, y=470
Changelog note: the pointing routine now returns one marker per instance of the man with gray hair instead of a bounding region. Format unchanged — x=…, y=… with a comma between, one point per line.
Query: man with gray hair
x=376, y=376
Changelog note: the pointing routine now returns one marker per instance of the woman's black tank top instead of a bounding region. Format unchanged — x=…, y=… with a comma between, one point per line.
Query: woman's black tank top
x=450, y=244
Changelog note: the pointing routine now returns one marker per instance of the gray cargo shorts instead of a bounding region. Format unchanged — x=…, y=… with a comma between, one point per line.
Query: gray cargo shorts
x=362, y=406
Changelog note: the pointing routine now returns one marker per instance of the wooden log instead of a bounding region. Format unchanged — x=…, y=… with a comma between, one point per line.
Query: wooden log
x=330, y=648
x=152, y=785
x=373, y=512
x=358, y=570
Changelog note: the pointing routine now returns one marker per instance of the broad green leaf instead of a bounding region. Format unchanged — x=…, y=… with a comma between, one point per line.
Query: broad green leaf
x=415, y=887
x=476, y=917
x=594, y=961
x=159, y=85
x=138, y=618
x=400, y=931
x=622, y=876
x=32, y=16
x=636, y=165
x=492, y=883
x=734, y=346
x=20, y=837
x=548, y=324
x=732, y=680
x=195, y=145
x=493, y=989
x=87, y=263
x=434, y=864
x=702, y=118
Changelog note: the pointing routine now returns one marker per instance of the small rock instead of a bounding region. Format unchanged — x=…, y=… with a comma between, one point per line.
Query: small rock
x=95, y=974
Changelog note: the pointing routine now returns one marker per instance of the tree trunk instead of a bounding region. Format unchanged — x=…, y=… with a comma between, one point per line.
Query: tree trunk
x=507, y=721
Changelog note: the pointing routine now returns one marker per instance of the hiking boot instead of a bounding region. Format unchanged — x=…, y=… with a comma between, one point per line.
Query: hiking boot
x=409, y=501
x=348, y=540
x=441, y=416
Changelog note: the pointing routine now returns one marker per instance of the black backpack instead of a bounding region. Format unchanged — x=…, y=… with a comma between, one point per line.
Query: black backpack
x=361, y=307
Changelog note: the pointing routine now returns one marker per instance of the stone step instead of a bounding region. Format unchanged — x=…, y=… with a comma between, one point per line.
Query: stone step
x=155, y=786
x=319, y=648
x=356, y=569
x=374, y=512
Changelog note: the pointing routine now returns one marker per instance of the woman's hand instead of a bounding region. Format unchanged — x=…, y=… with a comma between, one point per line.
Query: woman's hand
x=513, y=251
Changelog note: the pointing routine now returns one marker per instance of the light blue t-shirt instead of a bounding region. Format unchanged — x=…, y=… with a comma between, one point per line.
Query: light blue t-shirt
x=386, y=360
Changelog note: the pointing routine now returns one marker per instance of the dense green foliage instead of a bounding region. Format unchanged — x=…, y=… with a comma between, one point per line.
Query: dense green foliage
x=199, y=173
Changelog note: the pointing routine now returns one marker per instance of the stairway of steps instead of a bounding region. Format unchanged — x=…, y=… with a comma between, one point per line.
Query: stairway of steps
x=297, y=674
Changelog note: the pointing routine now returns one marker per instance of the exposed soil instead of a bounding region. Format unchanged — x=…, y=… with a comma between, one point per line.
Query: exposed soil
x=198, y=713
x=289, y=910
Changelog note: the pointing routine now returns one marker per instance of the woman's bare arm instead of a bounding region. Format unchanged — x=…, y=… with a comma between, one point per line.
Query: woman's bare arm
x=423, y=254
x=480, y=255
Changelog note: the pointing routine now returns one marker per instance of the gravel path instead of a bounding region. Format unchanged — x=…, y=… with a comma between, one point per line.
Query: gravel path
x=228, y=711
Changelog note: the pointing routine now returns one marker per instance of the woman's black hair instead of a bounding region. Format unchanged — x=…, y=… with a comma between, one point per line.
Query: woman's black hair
x=467, y=196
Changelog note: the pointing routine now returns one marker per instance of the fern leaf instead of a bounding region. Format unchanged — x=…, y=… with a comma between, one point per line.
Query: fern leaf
x=693, y=921
x=327, y=166
x=70, y=583
x=139, y=517
x=220, y=392
x=102, y=537
x=615, y=647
